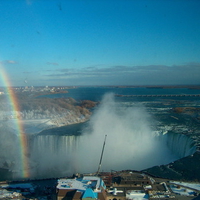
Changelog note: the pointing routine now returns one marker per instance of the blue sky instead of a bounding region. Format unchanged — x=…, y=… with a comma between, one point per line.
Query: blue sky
x=100, y=42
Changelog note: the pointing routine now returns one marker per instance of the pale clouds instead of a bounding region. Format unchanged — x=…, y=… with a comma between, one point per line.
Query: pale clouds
x=52, y=63
x=4, y=62
x=184, y=74
x=29, y=2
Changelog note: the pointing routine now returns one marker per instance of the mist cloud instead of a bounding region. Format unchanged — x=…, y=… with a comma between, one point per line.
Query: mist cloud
x=131, y=144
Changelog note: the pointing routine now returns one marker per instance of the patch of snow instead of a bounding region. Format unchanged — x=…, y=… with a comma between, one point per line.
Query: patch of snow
x=136, y=195
x=8, y=194
x=195, y=186
x=21, y=185
x=182, y=190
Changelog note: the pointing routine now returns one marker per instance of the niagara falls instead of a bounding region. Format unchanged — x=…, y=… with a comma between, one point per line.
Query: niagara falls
x=137, y=136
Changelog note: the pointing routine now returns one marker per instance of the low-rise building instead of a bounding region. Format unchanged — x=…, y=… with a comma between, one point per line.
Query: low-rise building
x=131, y=179
x=127, y=185
x=85, y=188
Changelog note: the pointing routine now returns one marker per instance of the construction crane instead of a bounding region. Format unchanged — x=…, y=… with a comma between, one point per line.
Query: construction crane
x=101, y=155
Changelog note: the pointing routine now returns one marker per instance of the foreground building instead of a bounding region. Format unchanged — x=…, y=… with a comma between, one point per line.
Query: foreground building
x=84, y=188
x=128, y=186
x=123, y=185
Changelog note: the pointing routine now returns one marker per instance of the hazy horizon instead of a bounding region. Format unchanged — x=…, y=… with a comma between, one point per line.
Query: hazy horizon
x=131, y=86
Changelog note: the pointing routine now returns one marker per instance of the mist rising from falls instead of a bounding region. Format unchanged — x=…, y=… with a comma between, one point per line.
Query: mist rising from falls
x=131, y=144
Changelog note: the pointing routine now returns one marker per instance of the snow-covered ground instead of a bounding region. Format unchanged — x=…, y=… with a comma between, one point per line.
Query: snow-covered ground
x=36, y=125
x=184, y=188
x=195, y=186
x=9, y=194
x=15, y=190
x=30, y=126
x=35, y=121
x=17, y=185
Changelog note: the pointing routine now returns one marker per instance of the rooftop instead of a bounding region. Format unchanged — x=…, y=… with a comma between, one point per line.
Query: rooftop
x=81, y=184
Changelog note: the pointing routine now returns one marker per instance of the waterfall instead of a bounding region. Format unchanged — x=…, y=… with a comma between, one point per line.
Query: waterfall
x=53, y=155
x=180, y=144
x=55, y=144
x=58, y=155
x=61, y=155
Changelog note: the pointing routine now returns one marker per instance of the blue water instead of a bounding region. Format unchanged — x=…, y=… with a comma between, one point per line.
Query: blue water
x=97, y=93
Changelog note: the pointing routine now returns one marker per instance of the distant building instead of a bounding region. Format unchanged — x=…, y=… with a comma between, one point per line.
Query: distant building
x=130, y=179
x=85, y=188
x=127, y=185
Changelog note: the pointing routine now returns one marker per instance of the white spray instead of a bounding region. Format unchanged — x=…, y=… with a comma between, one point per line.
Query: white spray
x=131, y=144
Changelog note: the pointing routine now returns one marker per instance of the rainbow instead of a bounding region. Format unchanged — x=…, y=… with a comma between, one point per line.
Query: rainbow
x=19, y=125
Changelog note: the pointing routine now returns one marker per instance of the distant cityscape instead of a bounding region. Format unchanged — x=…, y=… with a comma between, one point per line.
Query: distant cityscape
x=51, y=89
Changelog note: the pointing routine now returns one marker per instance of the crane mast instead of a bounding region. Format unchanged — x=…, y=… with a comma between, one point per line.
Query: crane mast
x=101, y=155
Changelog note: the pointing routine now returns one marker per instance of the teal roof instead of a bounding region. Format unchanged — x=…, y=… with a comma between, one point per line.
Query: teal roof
x=89, y=193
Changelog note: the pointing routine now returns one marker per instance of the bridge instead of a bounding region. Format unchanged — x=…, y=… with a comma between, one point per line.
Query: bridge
x=159, y=95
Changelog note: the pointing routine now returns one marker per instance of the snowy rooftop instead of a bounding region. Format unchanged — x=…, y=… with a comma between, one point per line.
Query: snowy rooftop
x=136, y=195
x=80, y=183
